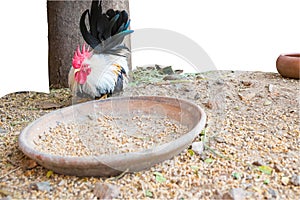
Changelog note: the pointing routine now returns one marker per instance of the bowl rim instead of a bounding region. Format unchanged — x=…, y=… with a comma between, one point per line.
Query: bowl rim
x=107, y=158
x=291, y=55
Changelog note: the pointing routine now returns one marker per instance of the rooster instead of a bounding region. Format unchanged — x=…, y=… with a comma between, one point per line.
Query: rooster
x=101, y=71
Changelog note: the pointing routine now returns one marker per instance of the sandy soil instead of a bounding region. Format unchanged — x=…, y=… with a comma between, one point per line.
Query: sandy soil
x=252, y=142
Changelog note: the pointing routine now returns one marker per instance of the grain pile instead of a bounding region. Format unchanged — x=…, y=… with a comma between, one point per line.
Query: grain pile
x=109, y=135
x=252, y=143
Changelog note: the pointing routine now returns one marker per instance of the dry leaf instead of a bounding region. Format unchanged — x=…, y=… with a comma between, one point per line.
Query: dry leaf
x=106, y=191
x=46, y=105
x=247, y=96
x=28, y=164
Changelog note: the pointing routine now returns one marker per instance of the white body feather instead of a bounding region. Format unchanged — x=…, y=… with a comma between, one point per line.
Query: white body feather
x=103, y=77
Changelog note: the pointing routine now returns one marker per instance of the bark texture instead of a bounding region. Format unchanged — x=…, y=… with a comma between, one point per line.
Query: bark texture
x=64, y=35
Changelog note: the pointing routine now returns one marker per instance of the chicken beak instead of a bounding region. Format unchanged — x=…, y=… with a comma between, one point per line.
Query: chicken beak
x=76, y=70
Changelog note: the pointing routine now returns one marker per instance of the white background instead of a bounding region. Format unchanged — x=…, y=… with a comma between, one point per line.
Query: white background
x=236, y=34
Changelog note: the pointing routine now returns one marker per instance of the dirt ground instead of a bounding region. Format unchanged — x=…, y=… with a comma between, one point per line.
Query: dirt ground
x=252, y=142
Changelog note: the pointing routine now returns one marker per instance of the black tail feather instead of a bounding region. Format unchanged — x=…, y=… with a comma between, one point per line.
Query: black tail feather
x=96, y=11
x=124, y=17
x=102, y=25
x=110, y=13
x=88, y=37
x=108, y=30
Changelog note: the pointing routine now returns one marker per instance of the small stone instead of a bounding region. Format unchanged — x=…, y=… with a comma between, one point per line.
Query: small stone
x=198, y=147
x=167, y=70
x=238, y=193
x=260, y=95
x=271, y=88
x=209, y=105
x=41, y=186
x=171, y=78
x=247, y=83
x=258, y=163
x=267, y=103
x=197, y=96
x=6, y=198
x=273, y=193
x=200, y=77
x=158, y=67
x=295, y=180
x=220, y=140
x=277, y=168
x=220, y=82
x=178, y=71
x=285, y=180
x=187, y=89
x=2, y=131
x=61, y=183
x=247, y=186
x=217, y=194
x=227, y=196
x=203, y=156
x=150, y=67
x=106, y=191
x=235, y=194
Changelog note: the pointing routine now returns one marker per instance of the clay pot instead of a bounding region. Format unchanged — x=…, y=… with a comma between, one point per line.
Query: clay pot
x=185, y=112
x=288, y=65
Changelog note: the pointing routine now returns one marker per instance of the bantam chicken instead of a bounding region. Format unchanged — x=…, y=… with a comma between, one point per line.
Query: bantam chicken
x=102, y=70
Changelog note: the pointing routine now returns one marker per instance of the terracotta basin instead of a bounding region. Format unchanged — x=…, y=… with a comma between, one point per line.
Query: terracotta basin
x=183, y=111
x=288, y=65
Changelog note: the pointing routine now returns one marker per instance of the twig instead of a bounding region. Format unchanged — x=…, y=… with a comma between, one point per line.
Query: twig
x=204, y=140
x=119, y=176
x=172, y=82
x=12, y=171
x=214, y=151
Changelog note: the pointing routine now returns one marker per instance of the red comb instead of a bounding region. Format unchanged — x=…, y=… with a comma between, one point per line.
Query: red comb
x=80, y=56
x=82, y=70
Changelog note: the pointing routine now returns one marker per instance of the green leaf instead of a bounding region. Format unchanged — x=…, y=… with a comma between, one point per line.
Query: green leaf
x=202, y=132
x=265, y=169
x=236, y=175
x=195, y=167
x=159, y=177
x=208, y=160
x=267, y=181
x=237, y=108
x=148, y=193
x=49, y=174
x=191, y=152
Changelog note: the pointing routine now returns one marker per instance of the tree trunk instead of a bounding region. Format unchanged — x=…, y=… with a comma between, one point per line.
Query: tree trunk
x=64, y=35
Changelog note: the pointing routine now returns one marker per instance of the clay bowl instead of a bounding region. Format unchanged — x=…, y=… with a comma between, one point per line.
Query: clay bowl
x=181, y=110
x=288, y=65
